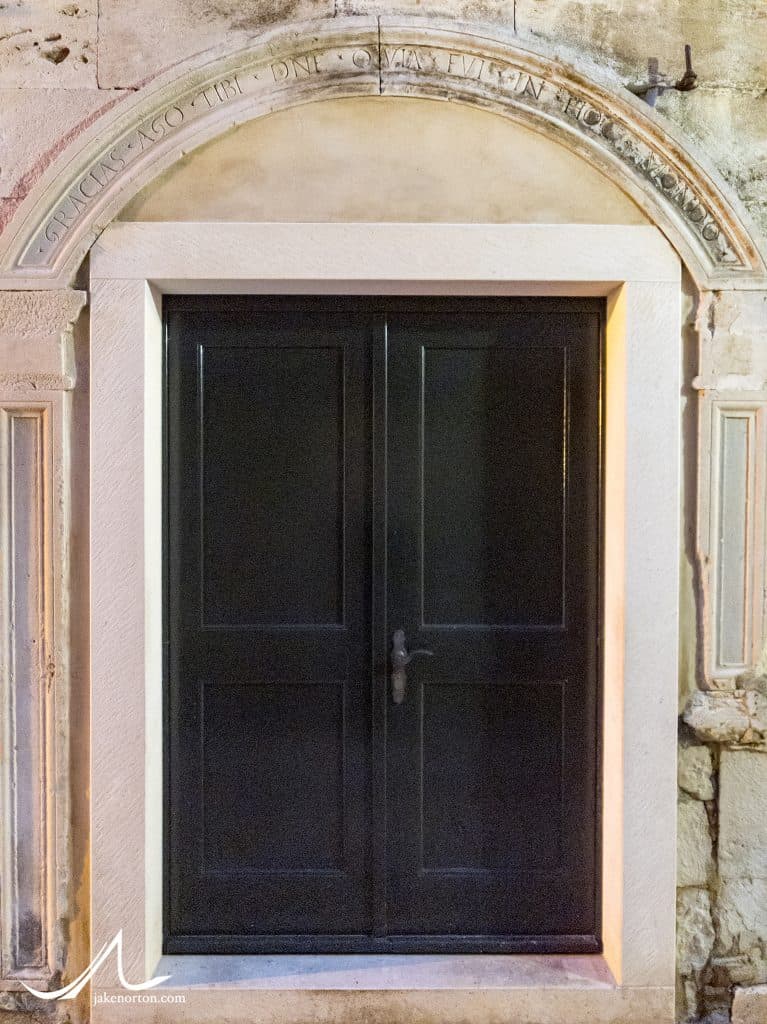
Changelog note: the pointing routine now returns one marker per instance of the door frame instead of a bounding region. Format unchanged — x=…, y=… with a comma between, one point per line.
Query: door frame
x=132, y=266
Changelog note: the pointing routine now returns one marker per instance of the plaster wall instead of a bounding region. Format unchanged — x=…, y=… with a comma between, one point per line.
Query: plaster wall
x=375, y=160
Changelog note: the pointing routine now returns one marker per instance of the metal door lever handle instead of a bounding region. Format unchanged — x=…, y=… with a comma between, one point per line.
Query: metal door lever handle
x=400, y=657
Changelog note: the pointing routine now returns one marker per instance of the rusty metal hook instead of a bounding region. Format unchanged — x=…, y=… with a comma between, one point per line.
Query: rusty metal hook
x=657, y=84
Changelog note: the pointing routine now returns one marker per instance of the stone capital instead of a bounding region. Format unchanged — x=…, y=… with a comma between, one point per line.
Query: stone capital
x=732, y=331
x=36, y=350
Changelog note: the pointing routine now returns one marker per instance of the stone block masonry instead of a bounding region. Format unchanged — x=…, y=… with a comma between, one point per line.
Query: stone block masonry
x=722, y=907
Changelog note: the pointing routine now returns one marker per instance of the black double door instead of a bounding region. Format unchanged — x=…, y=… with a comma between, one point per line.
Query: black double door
x=338, y=471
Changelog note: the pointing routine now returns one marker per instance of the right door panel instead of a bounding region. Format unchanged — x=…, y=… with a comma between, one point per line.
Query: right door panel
x=493, y=540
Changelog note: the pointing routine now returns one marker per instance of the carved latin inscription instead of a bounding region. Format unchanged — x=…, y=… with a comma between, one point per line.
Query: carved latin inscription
x=249, y=81
x=303, y=66
x=395, y=68
x=552, y=99
x=163, y=124
x=651, y=166
x=472, y=67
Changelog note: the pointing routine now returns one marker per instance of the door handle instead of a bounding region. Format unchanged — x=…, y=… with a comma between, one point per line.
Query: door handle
x=400, y=657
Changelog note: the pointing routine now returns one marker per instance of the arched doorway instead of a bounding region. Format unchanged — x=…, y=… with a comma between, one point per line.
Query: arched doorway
x=136, y=263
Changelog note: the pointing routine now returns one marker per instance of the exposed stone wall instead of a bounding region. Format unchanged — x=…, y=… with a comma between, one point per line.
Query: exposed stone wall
x=722, y=855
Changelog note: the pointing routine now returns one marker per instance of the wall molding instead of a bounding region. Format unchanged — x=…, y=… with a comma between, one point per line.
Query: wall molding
x=732, y=525
x=732, y=489
x=87, y=184
x=36, y=381
x=742, y=496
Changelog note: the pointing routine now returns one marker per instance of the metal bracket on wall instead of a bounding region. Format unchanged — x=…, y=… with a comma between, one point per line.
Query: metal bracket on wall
x=657, y=84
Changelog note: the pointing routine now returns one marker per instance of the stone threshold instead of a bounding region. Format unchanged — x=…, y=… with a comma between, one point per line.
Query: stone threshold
x=386, y=971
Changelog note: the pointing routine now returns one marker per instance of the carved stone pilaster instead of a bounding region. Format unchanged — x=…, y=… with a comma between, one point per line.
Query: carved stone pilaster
x=36, y=379
x=732, y=510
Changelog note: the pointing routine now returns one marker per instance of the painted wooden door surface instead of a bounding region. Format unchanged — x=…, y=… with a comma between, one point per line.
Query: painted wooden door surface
x=338, y=470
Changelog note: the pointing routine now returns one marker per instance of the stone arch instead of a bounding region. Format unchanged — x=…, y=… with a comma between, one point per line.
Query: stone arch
x=86, y=185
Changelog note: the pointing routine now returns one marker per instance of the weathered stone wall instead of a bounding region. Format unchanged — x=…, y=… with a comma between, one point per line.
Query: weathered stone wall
x=722, y=868
x=722, y=770
x=62, y=64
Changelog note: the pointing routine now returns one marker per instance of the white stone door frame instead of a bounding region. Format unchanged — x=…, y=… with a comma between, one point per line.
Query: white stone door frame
x=132, y=266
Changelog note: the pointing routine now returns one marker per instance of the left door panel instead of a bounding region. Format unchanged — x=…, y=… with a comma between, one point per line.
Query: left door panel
x=268, y=625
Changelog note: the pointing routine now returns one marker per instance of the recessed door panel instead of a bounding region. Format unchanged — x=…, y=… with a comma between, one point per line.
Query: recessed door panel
x=477, y=814
x=272, y=468
x=273, y=777
x=492, y=416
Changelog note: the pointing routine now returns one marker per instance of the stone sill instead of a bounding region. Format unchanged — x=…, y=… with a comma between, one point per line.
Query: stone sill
x=396, y=972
